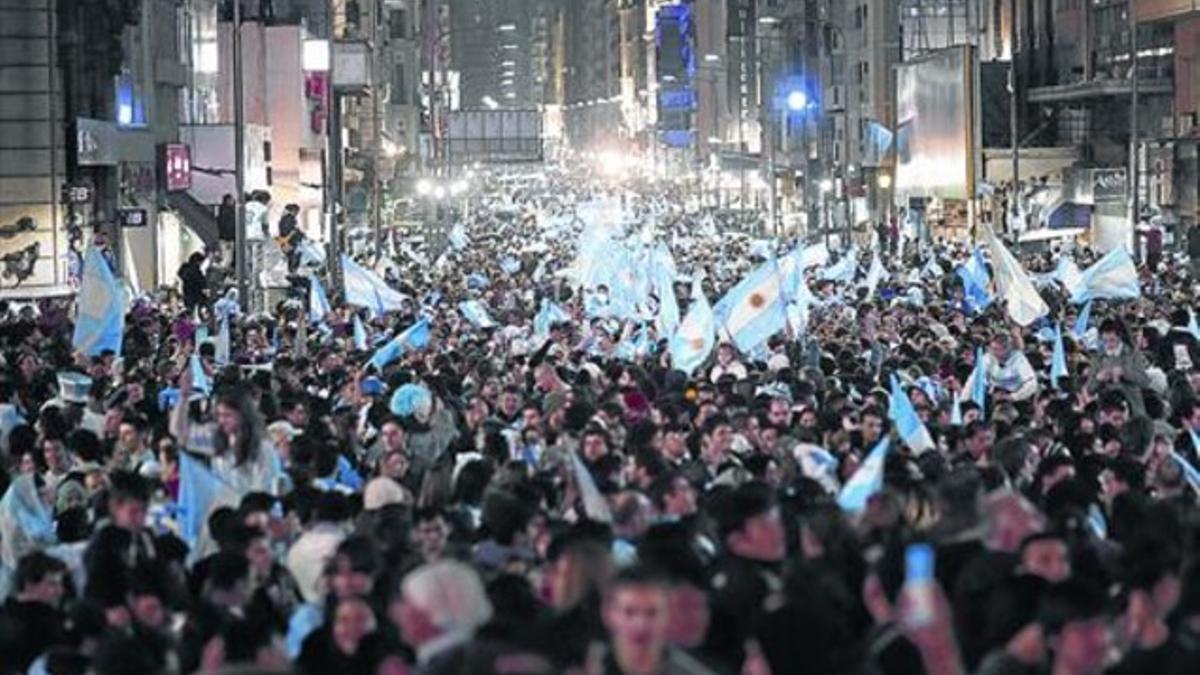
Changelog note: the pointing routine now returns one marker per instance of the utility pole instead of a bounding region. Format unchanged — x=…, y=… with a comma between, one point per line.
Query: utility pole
x=1134, y=194
x=334, y=157
x=239, y=171
x=1014, y=117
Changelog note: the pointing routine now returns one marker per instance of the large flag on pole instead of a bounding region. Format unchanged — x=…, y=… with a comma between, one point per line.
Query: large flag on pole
x=1014, y=286
x=365, y=289
x=100, y=308
x=1113, y=277
x=753, y=311
x=694, y=339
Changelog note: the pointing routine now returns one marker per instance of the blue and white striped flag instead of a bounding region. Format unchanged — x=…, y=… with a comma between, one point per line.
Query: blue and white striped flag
x=815, y=255
x=1067, y=273
x=694, y=339
x=866, y=481
x=360, y=334
x=979, y=380
x=910, y=427
x=200, y=489
x=1058, y=358
x=415, y=336
x=844, y=270
x=364, y=288
x=474, y=312
x=1193, y=327
x=100, y=308
x=549, y=314
x=1014, y=286
x=1113, y=277
x=975, y=280
x=754, y=310
x=458, y=237
x=956, y=417
x=1082, y=321
x=1189, y=472
x=318, y=302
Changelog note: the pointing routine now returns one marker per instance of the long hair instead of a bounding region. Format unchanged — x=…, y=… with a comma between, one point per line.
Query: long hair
x=250, y=434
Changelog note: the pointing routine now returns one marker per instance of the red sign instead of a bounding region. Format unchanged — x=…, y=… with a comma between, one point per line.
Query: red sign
x=177, y=167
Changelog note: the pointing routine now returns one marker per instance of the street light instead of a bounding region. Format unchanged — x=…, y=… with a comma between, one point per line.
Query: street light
x=797, y=101
x=884, y=181
x=826, y=185
x=439, y=193
x=424, y=187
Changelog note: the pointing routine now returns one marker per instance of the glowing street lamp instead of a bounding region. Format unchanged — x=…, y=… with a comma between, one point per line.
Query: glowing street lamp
x=826, y=185
x=797, y=101
x=424, y=187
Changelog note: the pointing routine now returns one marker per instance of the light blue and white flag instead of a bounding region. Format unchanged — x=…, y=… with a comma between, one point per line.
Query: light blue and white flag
x=1014, y=286
x=1058, y=358
x=310, y=253
x=364, y=288
x=693, y=341
x=1067, y=273
x=844, y=270
x=1193, y=327
x=474, y=312
x=200, y=381
x=415, y=336
x=510, y=265
x=224, y=347
x=975, y=280
x=979, y=380
x=1082, y=321
x=458, y=237
x=910, y=427
x=956, y=417
x=200, y=489
x=1191, y=473
x=663, y=281
x=754, y=310
x=814, y=255
x=1113, y=277
x=549, y=314
x=360, y=334
x=100, y=308
x=318, y=302
x=866, y=481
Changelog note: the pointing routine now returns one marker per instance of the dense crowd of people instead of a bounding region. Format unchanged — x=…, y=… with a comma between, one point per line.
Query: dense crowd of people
x=514, y=491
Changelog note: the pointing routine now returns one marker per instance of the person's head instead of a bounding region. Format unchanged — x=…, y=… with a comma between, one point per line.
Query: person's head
x=40, y=578
x=1000, y=346
x=872, y=426
x=54, y=455
x=1074, y=621
x=353, y=620
x=147, y=606
x=779, y=413
x=430, y=532
x=750, y=525
x=239, y=424
x=439, y=598
x=394, y=464
x=228, y=581
x=128, y=495
x=978, y=438
x=510, y=401
x=1046, y=555
x=1111, y=336
x=716, y=440
x=594, y=443
x=674, y=495
x=674, y=443
x=636, y=613
x=580, y=563
x=391, y=435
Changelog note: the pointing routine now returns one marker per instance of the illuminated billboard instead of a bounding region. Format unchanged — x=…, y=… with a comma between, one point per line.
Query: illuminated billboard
x=936, y=126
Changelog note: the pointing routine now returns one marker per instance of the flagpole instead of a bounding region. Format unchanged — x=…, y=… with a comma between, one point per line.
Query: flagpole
x=239, y=161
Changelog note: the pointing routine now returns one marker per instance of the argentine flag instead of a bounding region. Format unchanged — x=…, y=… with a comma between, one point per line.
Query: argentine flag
x=754, y=310
x=318, y=302
x=909, y=426
x=360, y=334
x=549, y=314
x=200, y=489
x=1014, y=286
x=1067, y=273
x=979, y=380
x=474, y=312
x=816, y=255
x=866, y=481
x=1081, y=322
x=694, y=339
x=1113, y=277
x=364, y=288
x=415, y=336
x=200, y=381
x=100, y=308
x=975, y=281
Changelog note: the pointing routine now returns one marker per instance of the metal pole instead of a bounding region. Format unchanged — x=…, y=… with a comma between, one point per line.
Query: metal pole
x=239, y=168
x=376, y=180
x=52, y=127
x=768, y=133
x=1014, y=119
x=335, y=187
x=1134, y=192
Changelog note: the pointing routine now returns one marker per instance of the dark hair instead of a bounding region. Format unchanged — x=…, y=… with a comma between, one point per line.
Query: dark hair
x=732, y=509
x=34, y=567
x=251, y=432
x=128, y=486
x=1068, y=601
x=226, y=569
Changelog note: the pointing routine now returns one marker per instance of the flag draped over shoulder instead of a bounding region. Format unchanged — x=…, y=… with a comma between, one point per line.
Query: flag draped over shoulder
x=1113, y=277
x=693, y=341
x=365, y=289
x=100, y=318
x=1014, y=286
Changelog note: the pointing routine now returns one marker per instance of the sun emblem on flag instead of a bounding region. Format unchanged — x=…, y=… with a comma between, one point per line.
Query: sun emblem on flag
x=696, y=343
x=757, y=300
